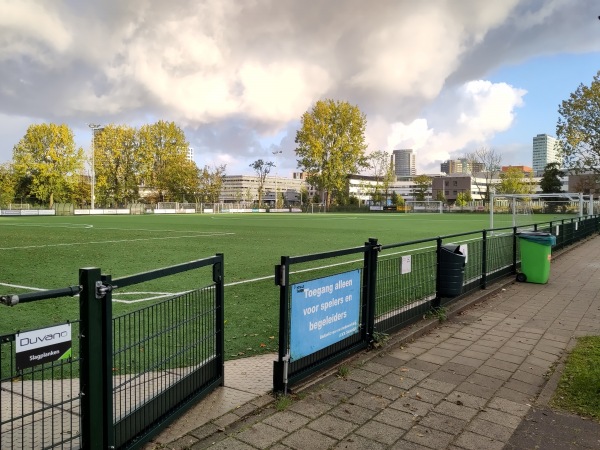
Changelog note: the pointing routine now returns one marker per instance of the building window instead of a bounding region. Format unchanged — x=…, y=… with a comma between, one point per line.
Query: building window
x=455, y=183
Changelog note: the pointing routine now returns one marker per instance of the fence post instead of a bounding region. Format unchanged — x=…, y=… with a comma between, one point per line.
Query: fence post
x=484, y=260
x=437, y=301
x=282, y=279
x=218, y=278
x=95, y=370
x=370, y=289
x=514, y=249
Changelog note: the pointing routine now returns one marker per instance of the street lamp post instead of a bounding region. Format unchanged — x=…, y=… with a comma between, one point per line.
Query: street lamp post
x=278, y=152
x=94, y=127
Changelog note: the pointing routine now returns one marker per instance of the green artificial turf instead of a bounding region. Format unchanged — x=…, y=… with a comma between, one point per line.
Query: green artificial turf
x=47, y=253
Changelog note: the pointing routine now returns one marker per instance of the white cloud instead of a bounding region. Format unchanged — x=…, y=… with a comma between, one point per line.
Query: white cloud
x=235, y=72
x=473, y=113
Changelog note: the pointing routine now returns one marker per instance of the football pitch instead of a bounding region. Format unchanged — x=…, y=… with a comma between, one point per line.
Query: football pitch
x=40, y=253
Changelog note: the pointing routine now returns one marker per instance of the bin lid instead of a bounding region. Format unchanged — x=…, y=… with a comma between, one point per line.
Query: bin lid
x=540, y=237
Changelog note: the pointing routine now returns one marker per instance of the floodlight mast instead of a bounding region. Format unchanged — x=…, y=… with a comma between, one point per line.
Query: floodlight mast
x=94, y=127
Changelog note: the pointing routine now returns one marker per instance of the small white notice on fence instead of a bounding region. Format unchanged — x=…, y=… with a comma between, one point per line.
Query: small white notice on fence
x=464, y=249
x=406, y=265
x=42, y=346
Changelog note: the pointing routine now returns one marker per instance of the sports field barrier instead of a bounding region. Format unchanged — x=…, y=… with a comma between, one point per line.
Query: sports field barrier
x=127, y=376
x=400, y=283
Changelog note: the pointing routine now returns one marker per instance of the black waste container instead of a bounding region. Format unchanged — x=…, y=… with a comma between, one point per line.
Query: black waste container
x=452, y=271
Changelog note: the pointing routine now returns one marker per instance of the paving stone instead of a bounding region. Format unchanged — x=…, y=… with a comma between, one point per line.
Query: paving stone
x=472, y=401
x=390, y=361
x=521, y=387
x=311, y=407
x=229, y=443
x=395, y=418
x=504, y=365
x=425, y=395
x=403, y=444
x=412, y=406
x=491, y=430
x=261, y=435
x=287, y=420
x=356, y=442
x=353, y=413
x=204, y=431
x=306, y=438
x=447, y=377
x=401, y=354
x=385, y=390
x=399, y=381
x=500, y=417
x=508, y=406
x=472, y=441
x=453, y=409
x=482, y=380
x=535, y=379
x=459, y=369
x=183, y=442
x=415, y=366
x=350, y=387
x=380, y=432
x=494, y=372
x=476, y=390
x=369, y=401
x=376, y=367
x=332, y=426
x=437, y=386
x=435, y=359
x=467, y=361
x=442, y=422
x=225, y=420
x=428, y=437
x=363, y=376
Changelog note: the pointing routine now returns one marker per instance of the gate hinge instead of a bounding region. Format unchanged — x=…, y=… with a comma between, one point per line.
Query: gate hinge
x=102, y=289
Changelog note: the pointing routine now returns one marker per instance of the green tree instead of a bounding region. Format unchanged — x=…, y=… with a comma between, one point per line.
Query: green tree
x=550, y=181
x=331, y=145
x=48, y=158
x=461, y=199
x=262, y=169
x=422, y=184
x=440, y=197
x=165, y=168
x=513, y=181
x=117, y=166
x=578, y=128
x=7, y=184
x=210, y=184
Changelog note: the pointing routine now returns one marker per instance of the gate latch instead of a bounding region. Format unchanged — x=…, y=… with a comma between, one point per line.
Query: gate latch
x=102, y=289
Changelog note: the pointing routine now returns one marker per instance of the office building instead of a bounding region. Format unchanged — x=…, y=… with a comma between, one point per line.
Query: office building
x=545, y=151
x=404, y=161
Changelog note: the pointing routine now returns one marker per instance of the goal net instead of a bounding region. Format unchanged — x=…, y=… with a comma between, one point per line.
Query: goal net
x=317, y=208
x=428, y=206
x=516, y=210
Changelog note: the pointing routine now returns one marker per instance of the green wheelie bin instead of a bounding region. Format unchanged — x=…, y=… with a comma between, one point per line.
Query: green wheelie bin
x=536, y=253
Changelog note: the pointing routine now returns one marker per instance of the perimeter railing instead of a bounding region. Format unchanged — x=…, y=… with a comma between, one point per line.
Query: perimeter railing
x=401, y=283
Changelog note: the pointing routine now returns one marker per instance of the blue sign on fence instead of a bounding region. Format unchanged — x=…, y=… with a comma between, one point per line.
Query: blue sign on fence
x=324, y=311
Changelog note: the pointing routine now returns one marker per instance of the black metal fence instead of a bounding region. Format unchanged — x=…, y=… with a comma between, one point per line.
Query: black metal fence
x=127, y=377
x=404, y=281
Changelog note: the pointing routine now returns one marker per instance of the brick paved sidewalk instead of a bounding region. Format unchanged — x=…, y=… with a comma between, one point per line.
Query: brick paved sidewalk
x=470, y=383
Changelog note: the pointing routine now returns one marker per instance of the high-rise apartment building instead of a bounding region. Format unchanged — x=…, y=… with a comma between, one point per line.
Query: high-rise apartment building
x=190, y=155
x=405, y=162
x=545, y=151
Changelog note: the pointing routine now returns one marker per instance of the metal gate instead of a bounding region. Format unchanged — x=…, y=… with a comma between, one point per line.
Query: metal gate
x=124, y=378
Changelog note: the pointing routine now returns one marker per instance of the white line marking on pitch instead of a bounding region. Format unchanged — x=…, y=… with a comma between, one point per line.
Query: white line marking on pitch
x=115, y=241
x=48, y=225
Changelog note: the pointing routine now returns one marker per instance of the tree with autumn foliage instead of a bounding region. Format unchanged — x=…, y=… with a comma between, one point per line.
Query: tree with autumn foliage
x=331, y=145
x=47, y=163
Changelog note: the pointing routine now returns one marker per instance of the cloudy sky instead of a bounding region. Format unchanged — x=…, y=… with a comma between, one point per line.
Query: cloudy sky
x=440, y=76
